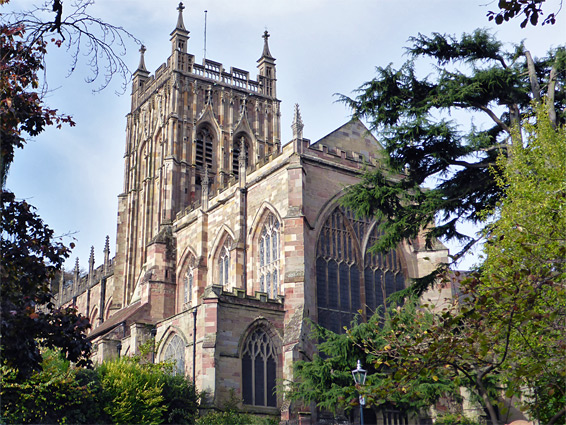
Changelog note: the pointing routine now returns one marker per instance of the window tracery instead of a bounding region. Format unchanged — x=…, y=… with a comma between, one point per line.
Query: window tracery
x=175, y=352
x=224, y=263
x=269, y=247
x=259, y=370
x=342, y=272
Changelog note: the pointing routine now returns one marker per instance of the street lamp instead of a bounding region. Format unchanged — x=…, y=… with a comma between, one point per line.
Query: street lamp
x=359, y=375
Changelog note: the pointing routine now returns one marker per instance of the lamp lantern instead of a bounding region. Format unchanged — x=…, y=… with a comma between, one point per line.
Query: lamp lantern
x=359, y=374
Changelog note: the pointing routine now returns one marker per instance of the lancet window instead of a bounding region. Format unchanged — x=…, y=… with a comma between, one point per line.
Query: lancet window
x=224, y=263
x=189, y=283
x=269, y=251
x=342, y=272
x=259, y=370
x=175, y=352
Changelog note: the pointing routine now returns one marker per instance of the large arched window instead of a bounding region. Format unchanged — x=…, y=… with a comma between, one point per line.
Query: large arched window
x=269, y=243
x=224, y=263
x=175, y=352
x=342, y=272
x=259, y=370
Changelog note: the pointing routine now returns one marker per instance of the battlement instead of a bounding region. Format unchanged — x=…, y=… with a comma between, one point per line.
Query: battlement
x=334, y=152
x=238, y=293
x=210, y=71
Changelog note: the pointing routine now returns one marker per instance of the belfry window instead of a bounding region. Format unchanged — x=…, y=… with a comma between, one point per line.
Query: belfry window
x=237, y=148
x=224, y=263
x=269, y=243
x=203, y=146
x=259, y=370
x=175, y=352
x=342, y=272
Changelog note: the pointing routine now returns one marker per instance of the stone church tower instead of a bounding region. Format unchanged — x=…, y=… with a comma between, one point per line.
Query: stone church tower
x=227, y=239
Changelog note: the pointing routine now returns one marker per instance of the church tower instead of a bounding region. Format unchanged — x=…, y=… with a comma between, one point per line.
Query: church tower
x=227, y=241
x=186, y=120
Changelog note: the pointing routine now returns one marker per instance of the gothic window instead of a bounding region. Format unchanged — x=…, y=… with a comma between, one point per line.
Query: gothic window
x=383, y=275
x=224, y=263
x=341, y=271
x=175, y=352
x=236, y=149
x=203, y=148
x=269, y=243
x=259, y=370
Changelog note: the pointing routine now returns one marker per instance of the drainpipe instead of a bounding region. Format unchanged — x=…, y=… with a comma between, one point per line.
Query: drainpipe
x=194, y=342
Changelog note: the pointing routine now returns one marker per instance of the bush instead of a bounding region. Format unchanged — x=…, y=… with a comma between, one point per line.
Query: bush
x=234, y=418
x=122, y=391
x=49, y=396
x=455, y=419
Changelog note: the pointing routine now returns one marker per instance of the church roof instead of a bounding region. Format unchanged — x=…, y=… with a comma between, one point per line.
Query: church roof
x=353, y=136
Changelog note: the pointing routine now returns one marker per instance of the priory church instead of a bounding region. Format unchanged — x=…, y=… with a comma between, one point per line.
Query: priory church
x=228, y=238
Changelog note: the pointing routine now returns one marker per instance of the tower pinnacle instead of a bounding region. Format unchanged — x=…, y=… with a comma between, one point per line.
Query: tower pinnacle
x=180, y=23
x=297, y=125
x=266, y=52
x=141, y=66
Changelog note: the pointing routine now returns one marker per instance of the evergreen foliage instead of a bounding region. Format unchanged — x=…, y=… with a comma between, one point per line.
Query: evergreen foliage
x=411, y=117
x=504, y=337
x=327, y=379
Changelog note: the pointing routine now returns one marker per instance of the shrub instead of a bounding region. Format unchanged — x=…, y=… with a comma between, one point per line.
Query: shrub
x=49, y=396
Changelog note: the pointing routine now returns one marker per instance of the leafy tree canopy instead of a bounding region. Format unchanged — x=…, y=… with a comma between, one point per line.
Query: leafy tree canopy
x=424, y=145
x=530, y=10
x=327, y=379
x=30, y=254
x=504, y=337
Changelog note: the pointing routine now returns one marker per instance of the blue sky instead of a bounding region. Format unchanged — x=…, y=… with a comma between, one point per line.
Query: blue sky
x=322, y=47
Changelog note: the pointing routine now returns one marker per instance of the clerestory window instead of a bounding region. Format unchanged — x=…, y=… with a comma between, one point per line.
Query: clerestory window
x=269, y=243
x=188, y=287
x=224, y=263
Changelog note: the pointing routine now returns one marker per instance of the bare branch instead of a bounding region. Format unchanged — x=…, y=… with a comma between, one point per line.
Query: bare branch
x=102, y=44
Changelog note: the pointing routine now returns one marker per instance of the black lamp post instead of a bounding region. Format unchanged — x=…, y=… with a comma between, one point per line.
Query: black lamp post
x=359, y=375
